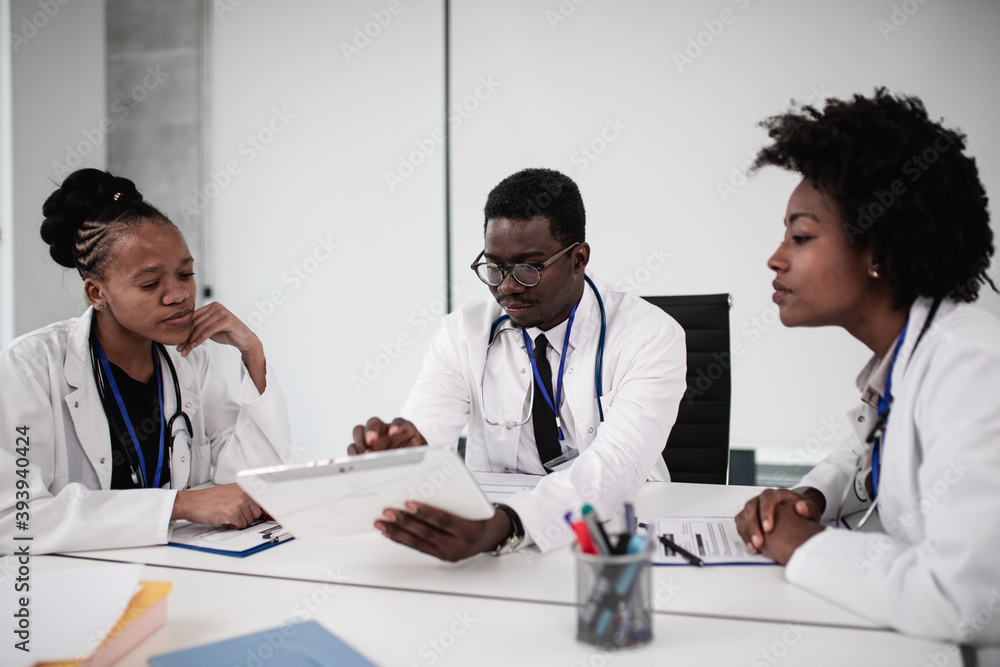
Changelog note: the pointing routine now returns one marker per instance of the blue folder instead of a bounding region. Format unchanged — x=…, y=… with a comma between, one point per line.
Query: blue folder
x=306, y=644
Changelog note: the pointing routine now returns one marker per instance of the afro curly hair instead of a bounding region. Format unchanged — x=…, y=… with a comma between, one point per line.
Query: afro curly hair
x=903, y=185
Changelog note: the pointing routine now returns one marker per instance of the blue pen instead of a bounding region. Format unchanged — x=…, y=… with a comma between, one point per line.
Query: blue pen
x=636, y=544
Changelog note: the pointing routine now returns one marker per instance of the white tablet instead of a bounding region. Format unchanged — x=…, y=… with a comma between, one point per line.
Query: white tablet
x=345, y=496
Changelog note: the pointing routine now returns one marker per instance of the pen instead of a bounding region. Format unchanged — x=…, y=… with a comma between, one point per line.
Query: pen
x=688, y=556
x=268, y=533
x=583, y=538
x=597, y=534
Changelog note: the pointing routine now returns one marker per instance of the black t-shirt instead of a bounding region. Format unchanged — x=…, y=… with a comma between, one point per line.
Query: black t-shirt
x=143, y=404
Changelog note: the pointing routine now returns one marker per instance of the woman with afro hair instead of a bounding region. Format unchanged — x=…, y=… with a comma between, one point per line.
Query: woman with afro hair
x=888, y=236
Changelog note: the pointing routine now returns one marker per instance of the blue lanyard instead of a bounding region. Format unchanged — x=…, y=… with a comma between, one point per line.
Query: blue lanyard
x=884, y=404
x=128, y=421
x=562, y=366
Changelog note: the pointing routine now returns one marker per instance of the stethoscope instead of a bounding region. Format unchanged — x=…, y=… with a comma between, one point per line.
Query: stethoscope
x=104, y=377
x=497, y=329
x=877, y=434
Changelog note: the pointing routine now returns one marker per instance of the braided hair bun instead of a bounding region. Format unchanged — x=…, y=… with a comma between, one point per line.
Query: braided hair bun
x=88, y=197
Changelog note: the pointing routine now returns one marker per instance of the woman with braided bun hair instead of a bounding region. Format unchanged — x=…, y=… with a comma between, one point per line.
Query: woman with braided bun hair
x=110, y=418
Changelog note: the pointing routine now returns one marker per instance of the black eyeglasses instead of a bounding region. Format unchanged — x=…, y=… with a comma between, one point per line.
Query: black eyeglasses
x=528, y=275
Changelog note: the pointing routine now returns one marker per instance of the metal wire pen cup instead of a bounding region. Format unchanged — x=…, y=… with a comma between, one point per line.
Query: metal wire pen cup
x=614, y=598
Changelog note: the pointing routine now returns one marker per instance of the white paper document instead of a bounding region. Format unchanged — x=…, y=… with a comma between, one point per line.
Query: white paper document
x=500, y=485
x=712, y=539
x=70, y=611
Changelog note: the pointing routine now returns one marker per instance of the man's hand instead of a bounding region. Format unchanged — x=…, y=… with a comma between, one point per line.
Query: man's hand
x=789, y=531
x=376, y=436
x=442, y=534
x=757, y=519
x=226, y=505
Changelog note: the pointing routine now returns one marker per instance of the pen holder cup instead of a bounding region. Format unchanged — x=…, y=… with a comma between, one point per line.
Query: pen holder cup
x=614, y=599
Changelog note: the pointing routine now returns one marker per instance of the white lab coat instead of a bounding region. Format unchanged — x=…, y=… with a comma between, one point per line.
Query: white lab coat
x=935, y=571
x=643, y=379
x=49, y=388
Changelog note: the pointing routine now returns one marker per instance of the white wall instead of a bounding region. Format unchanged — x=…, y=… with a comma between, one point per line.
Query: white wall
x=654, y=190
x=58, y=107
x=332, y=333
x=679, y=132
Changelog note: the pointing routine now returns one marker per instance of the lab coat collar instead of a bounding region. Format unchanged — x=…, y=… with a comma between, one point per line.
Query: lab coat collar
x=84, y=403
x=586, y=322
x=555, y=336
x=92, y=431
x=77, y=368
x=871, y=380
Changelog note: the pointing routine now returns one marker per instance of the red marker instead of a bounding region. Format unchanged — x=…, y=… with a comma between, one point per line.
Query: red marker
x=583, y=538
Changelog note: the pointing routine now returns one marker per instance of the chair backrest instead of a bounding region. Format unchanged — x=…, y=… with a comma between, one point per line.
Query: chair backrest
x=698, y=447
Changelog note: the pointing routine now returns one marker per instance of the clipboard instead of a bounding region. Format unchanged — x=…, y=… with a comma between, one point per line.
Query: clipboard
x=345, y=496
x=261, y=534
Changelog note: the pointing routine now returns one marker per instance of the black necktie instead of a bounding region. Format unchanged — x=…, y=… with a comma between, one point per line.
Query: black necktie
x=542, y=419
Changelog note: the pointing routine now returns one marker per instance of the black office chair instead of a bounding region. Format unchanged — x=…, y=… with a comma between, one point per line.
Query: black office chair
x=698, y=447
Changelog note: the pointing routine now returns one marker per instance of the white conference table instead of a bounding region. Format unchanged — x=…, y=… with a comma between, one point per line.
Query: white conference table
x=746, y=593
x=413, y=629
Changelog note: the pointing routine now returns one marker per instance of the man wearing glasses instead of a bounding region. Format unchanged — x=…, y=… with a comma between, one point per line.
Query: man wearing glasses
x=556, y=377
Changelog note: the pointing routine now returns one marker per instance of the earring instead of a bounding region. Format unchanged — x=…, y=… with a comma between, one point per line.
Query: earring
x=873, y=273
x=100, y=306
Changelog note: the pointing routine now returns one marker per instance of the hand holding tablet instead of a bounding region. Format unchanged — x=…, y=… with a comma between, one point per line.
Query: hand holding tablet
x=346, y=496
